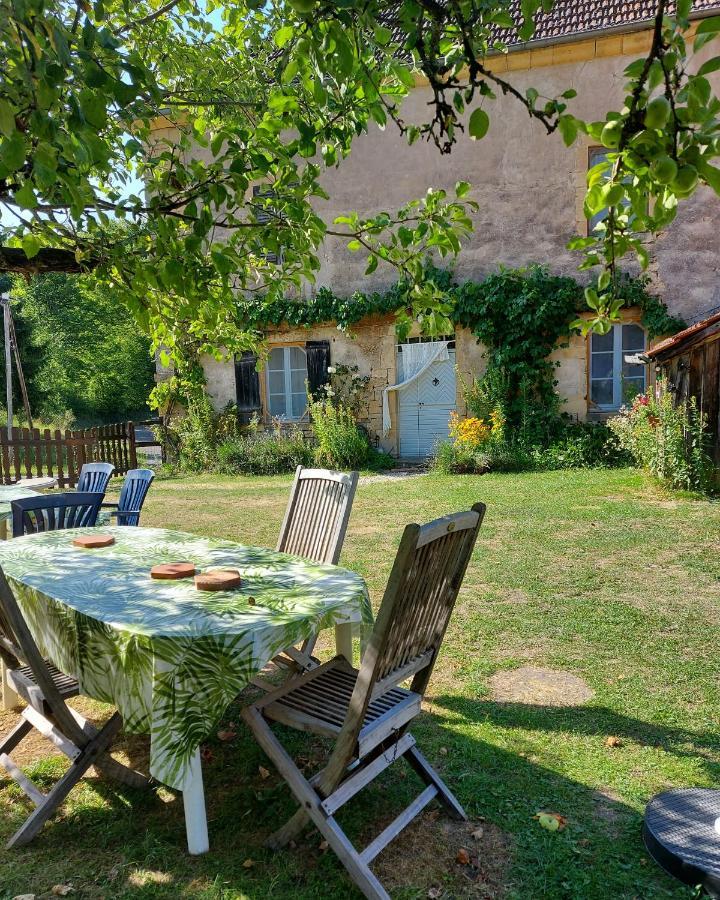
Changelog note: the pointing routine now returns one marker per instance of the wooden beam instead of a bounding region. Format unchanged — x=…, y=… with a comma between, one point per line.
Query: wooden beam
x=49, y=259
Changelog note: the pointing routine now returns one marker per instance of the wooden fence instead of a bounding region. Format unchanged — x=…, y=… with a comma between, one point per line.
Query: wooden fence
x=31, y=453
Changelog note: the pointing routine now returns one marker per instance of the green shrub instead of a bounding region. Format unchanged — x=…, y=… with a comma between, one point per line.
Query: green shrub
x=458, y=458
x=668, y=441
x=582, y=445
x=264, y=453
x=341, y=444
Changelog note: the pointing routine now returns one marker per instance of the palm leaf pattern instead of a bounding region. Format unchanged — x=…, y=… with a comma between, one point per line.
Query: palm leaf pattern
x=169, y=657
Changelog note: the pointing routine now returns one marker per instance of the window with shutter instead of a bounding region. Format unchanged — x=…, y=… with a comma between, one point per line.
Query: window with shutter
x=264, y=214
x=318, y=361
x=247, y=387
x=286, y=374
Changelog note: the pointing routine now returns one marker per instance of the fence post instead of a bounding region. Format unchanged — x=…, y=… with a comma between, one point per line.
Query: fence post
x=131, y=445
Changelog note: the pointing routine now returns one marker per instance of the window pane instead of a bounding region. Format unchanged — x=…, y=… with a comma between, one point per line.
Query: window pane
x=297, y=381
x=602, y=341
x=297, y=358
x=602, y=365
x=277, y=405
x=601, y=392
x=276, y=360
x=631, y=387
x=633, y=338
x=299, y=405
x=630, y=370
x=276, y=382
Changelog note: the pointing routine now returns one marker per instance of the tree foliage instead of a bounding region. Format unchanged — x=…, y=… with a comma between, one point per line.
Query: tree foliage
x=82, y=351
x=206, y=103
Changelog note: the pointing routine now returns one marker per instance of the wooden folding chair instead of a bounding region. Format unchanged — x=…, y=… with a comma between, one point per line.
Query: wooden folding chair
x=45, y=690
x=366, y=711
x=314, y=527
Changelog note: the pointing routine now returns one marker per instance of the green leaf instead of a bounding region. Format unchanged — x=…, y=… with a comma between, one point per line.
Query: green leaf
x=372, y=264
x=354, y=245
x=461, y=189
x=7, y=118
x=709, y=26
x=283, y=35
x=25, y=196
x=31, y=245
x=710, y=65
x=568, y=129
x=478, y=124
x=12, y=152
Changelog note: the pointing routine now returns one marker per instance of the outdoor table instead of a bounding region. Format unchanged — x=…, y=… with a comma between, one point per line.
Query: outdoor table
x=8, y=493
x=171, y=658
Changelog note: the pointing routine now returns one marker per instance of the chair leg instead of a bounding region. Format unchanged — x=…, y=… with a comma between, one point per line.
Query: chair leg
x=292, y=829
x=13, y=738
x=79, y=766
x=310, y=807
x=124, y=774
x=430, y=776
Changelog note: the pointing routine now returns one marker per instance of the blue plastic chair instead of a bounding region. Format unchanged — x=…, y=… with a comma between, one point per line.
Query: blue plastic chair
x=52, y=512
x=94, y=477
x=132, y=496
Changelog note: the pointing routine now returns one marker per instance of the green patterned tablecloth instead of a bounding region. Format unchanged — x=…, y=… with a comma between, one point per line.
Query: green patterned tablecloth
x=9, y=493
x=169, y=657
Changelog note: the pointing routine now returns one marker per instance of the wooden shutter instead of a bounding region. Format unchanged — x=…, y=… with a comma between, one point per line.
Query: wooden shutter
x=318, y=360
x=247, y=386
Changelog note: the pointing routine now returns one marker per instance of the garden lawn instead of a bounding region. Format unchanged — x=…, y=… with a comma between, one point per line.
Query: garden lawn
x=598, y=574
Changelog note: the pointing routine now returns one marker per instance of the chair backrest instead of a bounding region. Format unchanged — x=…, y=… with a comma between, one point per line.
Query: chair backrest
x=317, y=514
x=17, y=647
x=94, y=477
x=51, y=512
x=132, y=496
x=419, y=599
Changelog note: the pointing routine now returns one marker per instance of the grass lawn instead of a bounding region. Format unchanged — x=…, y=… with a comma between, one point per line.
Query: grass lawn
x=598, y=574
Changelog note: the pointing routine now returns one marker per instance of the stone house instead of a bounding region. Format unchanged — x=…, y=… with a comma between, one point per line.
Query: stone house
x=530, y=191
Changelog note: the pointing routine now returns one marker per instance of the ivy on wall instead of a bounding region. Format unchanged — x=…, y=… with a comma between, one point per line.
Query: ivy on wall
x=465, y=300
x=519, y=315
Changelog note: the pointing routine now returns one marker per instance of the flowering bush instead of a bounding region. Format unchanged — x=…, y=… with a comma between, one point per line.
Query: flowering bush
x=470, y=432
x=669, y=441
x=345, y=387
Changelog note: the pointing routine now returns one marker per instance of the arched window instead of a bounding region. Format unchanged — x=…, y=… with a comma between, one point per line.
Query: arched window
x=286, y=376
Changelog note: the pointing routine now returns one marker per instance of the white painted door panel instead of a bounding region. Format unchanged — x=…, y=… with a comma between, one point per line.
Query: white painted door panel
x=424, y=409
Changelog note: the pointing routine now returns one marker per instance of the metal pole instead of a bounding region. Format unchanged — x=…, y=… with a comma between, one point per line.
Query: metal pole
x=8, y=364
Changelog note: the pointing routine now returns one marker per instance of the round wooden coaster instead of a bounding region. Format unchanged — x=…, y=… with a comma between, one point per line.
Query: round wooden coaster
x=93, y=541
x=173, y=571
x=219, y=580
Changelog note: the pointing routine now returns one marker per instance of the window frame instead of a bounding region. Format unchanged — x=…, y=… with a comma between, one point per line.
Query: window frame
x=618, y=376
x=288, y=392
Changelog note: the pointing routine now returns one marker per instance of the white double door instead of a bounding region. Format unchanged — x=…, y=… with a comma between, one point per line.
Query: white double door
x=424, y=409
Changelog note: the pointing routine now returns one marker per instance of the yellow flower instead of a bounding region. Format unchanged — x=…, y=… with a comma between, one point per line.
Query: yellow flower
x=470, y=432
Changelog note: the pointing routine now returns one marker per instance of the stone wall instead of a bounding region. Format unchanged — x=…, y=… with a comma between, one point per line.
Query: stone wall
x=529, y=186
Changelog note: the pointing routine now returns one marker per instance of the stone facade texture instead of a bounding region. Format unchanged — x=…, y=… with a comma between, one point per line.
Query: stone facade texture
x=530, y=190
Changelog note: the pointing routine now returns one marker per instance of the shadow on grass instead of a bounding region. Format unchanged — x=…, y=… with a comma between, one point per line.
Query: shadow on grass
x=131, y=843
x=589, y=721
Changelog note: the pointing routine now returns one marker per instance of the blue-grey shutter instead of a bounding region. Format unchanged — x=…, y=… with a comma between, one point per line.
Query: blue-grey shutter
x=318, y=360
x=247, y=386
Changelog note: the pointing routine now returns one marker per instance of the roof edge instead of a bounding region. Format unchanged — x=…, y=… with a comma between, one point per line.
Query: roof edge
x=609, y=30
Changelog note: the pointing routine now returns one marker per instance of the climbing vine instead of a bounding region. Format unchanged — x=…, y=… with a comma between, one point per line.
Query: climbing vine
x=519, y=315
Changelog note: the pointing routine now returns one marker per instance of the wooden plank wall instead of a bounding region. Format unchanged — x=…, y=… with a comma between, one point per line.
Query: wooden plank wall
x=696, y=373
